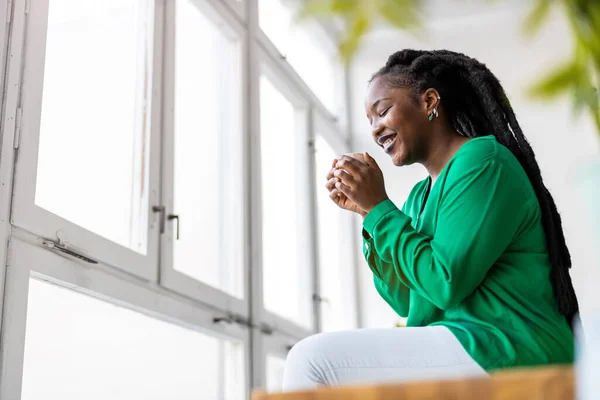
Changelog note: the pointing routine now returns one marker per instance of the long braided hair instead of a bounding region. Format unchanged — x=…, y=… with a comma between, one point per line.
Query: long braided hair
x=476, y=104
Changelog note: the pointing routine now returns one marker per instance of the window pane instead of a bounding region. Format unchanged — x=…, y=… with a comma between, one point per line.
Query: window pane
x=316, y=67
x=79, y=347
x=284, y=272
x=302, y=49
x=208, y=152
x=336, y=271
x=275, y=367
x=95, y=114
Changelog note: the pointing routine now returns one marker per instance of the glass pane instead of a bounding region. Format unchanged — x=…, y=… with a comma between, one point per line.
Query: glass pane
x=316, y=67
x=303, y=50
x=208, y=152
x=284, y=272
x=275, y=367
x=95, y=117
x=79, y=347
x=336, y=271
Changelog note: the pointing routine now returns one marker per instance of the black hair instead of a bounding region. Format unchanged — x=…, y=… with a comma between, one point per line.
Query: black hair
x=475, y=104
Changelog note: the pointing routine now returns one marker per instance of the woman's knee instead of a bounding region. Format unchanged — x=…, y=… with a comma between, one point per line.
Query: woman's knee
x=306, y=363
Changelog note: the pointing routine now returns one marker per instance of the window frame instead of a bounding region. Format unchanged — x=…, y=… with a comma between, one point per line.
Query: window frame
x=113, y=281
x=280, y=60
x=350, y=283
x=279, y=346
x=238, y=7
x=302, y=127
x=121, y=289
x=10, y=67
x=169, y=277
x=25, y=213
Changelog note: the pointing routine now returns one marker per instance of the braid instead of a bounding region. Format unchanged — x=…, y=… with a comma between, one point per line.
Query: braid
x=476, y=105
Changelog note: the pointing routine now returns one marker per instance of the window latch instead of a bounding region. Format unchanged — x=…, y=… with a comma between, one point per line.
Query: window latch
x=63, y=249
x=160, y=210
x=172, y=217
x=318, y=299
x=238, y=319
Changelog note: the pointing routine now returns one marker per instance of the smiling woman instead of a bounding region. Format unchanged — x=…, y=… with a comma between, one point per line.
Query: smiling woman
x=476, y=257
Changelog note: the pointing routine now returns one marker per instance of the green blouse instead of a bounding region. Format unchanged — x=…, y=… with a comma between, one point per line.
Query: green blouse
x=471, y=255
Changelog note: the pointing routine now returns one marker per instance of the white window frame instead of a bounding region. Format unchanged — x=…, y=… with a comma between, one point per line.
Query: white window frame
x=292, y=75
x=350, y=283
x=238, y=7
x=302, y=129
x=9, y=68
x=276, y=345
x=28, y=260
x=115, y=279
x=169, y=276
x=5, y=17
x=26, y=214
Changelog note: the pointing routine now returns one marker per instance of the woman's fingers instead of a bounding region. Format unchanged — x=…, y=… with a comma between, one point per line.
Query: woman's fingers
x=351, y=165
x=345, y=177
x=330, y=173
x=344, y=189
x=335, y=195
x=330, y=185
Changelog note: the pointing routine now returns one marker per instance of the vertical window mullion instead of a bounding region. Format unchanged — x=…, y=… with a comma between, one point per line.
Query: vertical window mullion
x=203, y=178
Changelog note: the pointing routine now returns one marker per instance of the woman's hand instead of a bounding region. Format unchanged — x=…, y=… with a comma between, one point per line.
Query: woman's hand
x=339, y=198
x=361, y=182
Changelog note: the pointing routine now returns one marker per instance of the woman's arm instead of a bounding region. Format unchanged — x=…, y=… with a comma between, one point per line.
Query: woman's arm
x=394, y=292
x=480, y=213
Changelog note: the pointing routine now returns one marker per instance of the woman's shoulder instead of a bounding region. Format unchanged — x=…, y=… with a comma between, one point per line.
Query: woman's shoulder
x=486, y=152
x=477, y=151
x=484, y=157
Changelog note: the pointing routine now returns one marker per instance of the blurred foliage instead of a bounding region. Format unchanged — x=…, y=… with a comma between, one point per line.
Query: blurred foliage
x=360, y=16
x=577, y=77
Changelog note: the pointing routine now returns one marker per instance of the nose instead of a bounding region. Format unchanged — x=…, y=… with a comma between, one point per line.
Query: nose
x=376, y=129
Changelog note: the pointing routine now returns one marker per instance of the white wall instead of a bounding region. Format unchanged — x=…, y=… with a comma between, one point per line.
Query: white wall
x=564, y=146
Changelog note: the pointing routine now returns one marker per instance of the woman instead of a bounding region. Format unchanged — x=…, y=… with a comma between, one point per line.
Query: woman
x=476, y=258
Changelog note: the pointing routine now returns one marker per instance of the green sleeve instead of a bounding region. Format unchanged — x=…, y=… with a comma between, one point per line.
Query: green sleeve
x=394, y=292
x=478, y=216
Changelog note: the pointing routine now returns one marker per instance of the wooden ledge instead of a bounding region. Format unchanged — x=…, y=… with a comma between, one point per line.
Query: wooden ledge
x=547, y=383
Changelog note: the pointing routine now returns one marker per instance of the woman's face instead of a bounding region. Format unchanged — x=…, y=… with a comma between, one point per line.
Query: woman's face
x=399, y=124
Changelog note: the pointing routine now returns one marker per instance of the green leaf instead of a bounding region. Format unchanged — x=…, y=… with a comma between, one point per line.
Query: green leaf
x=537, y=16
x=595, y=113
x=402, y=14
x=349, y=45
x=558, y=81
x=327, y=8
x=584, y=96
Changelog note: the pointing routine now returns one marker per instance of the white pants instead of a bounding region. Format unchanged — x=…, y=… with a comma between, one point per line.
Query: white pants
x=367, y=356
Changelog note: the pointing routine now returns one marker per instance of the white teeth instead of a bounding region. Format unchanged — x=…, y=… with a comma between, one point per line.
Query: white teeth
x=388, y=142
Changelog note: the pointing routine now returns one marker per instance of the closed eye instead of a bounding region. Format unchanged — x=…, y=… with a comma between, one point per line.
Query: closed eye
x=384, y=112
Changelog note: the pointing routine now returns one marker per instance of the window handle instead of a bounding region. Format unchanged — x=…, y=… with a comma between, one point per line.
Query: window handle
x=160, y=210
x=318, y=299
x=171, y=217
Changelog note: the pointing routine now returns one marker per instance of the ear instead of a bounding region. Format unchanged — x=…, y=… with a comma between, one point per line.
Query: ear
x=431, y=99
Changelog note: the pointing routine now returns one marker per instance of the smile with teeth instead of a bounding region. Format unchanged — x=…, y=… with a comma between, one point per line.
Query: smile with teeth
x=388, y=142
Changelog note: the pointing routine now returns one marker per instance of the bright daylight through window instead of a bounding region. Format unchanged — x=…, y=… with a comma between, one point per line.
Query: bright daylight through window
x=95, y=122
x=161, y=221
x=208, y=195
x=300, y=45
x=79, y=347
x=282, y=259
x=335, y=264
